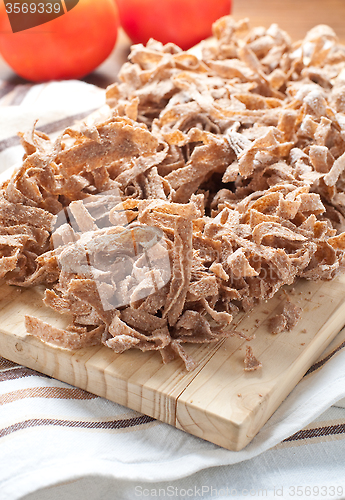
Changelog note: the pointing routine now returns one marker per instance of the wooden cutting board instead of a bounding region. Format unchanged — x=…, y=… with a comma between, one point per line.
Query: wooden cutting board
x=217, y=401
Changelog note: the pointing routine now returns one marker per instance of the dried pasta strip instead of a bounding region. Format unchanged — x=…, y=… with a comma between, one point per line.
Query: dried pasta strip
x=59, y=304
x=277, y=323
x=204, y=287
x=62, y=338
x=142, y=320
x=15, y=213
x=239, y=265
x=83, y=218
x=181, y=271
x=338, y=167
x=250, y=361
x=188, y=361
x=122, y=343
x=219, y=316
x=8, y=264
x=267, y=229
x=86, y=290
x=292, y=314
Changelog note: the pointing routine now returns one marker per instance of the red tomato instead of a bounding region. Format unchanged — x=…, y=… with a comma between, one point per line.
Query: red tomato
x=184, y=22
x=70, y=46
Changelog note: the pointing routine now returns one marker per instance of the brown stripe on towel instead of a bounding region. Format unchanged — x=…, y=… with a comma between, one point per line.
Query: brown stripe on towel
x=327, y=430
x=6, y=363
x=19, y=372
x=320, y=363
x=46, y=392
x=20, y=92
x=6, y=88
x=111, y=424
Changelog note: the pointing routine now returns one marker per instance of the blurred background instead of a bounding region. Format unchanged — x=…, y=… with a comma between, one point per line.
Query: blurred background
x=294, y=16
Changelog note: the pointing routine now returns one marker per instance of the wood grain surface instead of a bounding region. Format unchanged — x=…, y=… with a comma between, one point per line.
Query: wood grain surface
x=217, y=401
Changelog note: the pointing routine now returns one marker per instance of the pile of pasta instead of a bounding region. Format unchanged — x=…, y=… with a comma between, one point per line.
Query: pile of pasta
x=230, y=160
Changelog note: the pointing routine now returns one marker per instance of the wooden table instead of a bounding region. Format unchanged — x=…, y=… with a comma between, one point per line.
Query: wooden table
x=294, y=16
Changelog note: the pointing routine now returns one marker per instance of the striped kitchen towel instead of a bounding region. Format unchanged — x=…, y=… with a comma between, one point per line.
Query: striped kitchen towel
x=57, y=441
